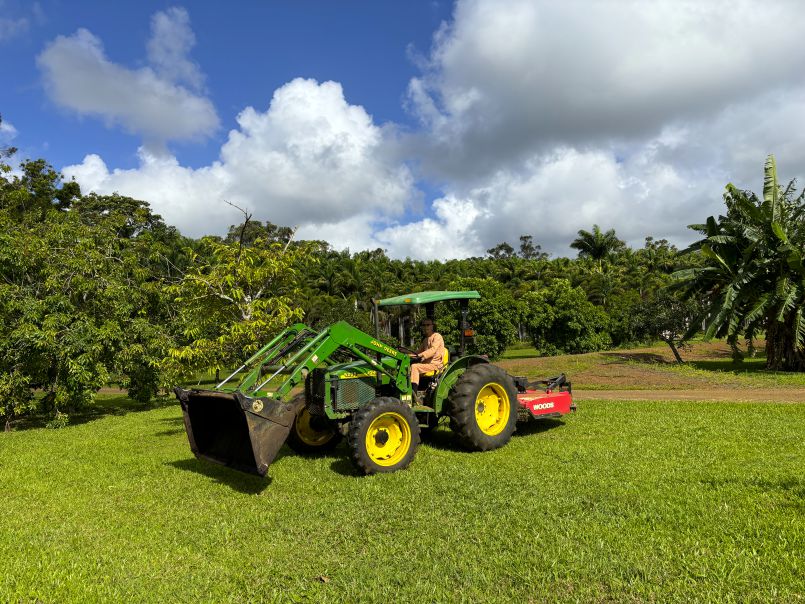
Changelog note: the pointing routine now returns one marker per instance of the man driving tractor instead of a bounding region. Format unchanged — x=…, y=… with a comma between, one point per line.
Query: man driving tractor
x=430, y=355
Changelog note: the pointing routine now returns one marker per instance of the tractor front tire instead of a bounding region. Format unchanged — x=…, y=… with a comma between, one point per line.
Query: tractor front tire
x=383, y=436
x=483, y=408
x=311, y=434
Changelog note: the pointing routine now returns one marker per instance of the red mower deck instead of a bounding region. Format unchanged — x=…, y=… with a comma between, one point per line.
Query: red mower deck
x=549, y=398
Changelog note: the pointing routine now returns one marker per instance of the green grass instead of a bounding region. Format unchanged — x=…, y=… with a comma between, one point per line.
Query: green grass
x=519, y=351
x=638, y=501
x=708, y=365
x=750, y=373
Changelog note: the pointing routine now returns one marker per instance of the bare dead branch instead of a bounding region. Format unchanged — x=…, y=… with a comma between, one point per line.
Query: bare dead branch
x=247, y=218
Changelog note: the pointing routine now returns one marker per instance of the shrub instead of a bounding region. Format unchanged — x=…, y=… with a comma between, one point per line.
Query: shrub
x=560, y=319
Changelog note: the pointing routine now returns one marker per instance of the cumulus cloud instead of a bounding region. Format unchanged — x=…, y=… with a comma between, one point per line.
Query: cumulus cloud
x=11, y=28
x=354, y=233
x=7, y=132
x=551, y=197
x=311, y=159
x=148, y=101
x=653, y=187
x=170, y=44
x=543, y=118
x=506, y=78
x=452, y=233
x=535, y=117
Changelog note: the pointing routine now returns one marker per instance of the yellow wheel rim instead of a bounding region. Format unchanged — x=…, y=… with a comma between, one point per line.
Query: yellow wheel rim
x=388, y=439
x=492, y=408
x=308, y=433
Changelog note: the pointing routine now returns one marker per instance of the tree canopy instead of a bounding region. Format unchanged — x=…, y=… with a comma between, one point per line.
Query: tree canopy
x=97, y=290
x=596, y=244
x=751, y=279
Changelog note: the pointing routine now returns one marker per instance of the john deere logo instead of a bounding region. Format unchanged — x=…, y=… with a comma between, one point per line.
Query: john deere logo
x=383, y=347
x=257, y=406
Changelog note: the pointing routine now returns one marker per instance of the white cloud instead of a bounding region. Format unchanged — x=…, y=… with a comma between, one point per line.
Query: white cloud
x=11, y=28
x=315, y=161
x=353, y=232
x=543, y=118
x=7, y=132
x=656, y=187
x=78, y=76
x=171, y=41
x=551, y=198
x=310, y=160
x=537, y=118
x=509, y=77
x=453, y=233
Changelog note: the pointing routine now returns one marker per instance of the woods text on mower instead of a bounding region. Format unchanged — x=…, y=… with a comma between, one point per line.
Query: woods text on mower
x=357, y=386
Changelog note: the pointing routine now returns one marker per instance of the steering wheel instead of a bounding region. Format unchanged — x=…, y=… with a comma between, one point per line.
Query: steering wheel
x=406, y=350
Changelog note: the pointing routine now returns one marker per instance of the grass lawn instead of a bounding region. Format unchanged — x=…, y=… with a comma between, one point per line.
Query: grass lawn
x=623, y=501
x=708, y=366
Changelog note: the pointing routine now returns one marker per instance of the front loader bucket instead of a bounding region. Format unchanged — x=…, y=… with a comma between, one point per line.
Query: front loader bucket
x=234, y=430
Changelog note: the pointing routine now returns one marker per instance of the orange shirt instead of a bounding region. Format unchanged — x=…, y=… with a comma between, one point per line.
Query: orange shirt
x=432, y=350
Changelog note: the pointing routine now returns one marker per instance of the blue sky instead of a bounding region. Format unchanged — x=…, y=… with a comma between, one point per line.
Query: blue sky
x=431, y=129
x=246, y=52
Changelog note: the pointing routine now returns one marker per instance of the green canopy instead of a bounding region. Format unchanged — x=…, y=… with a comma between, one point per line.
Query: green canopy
x=427, y=298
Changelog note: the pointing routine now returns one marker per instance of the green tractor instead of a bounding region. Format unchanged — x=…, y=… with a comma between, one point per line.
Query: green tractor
x=355, y=386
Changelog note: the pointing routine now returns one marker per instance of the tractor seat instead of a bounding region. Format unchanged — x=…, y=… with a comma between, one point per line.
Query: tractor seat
x=445, y=362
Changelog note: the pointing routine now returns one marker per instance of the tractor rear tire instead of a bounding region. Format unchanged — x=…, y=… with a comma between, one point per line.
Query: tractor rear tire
x=312, y=434
x=383, y=436
x=483, y=408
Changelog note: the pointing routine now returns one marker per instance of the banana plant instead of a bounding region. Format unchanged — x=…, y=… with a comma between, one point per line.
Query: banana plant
x=751, y=274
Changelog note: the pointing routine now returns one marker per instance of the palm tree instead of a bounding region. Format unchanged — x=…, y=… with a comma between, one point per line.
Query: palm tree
x=752, y=276
x=597, y=245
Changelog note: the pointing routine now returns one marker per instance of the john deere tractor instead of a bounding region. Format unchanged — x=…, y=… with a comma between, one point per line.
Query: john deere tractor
x=312, y=387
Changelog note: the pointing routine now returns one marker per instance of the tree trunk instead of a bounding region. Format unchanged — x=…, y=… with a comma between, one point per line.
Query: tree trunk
x=782, y=351
x=672, y=346
x=8, y=425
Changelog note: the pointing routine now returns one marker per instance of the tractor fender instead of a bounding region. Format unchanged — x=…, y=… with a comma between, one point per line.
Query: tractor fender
x=450, y=375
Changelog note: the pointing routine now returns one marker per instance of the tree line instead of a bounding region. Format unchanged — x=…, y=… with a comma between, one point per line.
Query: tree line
x=98, y=290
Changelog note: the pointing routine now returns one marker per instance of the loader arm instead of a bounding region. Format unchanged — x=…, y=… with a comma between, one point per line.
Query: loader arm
x=244, y=426
x=303, y=349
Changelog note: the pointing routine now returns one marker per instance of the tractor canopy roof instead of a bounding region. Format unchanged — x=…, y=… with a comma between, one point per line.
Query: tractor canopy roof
x=428, y=298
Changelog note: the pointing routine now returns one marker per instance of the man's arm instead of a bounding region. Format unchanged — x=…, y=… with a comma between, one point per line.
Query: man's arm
x=436, y=344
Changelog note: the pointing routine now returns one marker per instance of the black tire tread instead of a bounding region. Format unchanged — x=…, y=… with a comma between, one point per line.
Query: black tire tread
x=461, y=407
x=360, y=423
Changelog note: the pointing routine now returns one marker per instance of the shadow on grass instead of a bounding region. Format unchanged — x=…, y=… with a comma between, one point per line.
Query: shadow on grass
x=343, y=466
x=651, y=358
x=537, y=426
x=176, y=422
x=238, y=481
x=101, y=408
x=724, y=364
x=443, y=438
x=730, y=366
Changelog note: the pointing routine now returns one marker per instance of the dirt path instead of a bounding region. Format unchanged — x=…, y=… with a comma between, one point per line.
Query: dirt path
x=779, y=395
